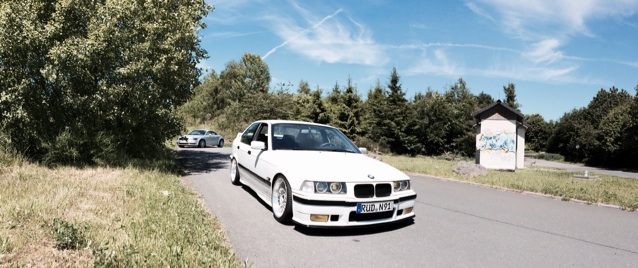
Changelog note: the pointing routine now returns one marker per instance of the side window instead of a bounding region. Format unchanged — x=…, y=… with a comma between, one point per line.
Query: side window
x=249, y=133
x=263, y=134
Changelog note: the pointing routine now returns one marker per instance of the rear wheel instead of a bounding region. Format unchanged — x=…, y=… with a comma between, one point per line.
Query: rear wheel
x=221, y=144
x=234, y=172
x=282, y=200
x=201, y=144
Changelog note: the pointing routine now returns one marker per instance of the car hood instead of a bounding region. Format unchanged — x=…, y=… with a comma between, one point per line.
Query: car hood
x=335, y=166
x=192, y=136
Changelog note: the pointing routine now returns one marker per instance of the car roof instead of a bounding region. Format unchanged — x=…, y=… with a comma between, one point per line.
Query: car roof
x=291, y=122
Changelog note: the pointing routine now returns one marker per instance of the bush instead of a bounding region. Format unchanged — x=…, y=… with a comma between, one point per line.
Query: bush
x=68, y=235
x=550, y=157
x=372, y=146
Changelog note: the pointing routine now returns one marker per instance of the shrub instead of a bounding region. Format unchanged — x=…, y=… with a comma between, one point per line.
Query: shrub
x=550, y=157
x=68, y=235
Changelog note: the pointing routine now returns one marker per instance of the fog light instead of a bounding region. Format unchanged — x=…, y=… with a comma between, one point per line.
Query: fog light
x=407, y=210
x=319, y=217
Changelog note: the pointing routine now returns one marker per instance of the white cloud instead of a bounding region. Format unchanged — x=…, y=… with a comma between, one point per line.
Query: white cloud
x=545, y=52
x=329, y=39
x=478, y=10
x=562, y=17
x=544, y=26
x=437, y=63
x=541, y=63
x=227, y=35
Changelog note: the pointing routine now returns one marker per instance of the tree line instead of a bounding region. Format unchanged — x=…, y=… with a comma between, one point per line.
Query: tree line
x=431, y=123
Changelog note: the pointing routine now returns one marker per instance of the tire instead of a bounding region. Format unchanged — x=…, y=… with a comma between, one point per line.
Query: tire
x=221, y=144
x=234, y=172
x=201, y=144
x=281, y=200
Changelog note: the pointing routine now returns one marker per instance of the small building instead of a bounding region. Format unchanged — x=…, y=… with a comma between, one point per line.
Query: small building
x=500, y=137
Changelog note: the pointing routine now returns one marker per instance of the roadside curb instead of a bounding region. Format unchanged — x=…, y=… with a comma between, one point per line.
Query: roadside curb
x=542, y=195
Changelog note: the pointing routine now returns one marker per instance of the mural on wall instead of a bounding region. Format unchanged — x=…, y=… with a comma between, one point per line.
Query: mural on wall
x=503, y=141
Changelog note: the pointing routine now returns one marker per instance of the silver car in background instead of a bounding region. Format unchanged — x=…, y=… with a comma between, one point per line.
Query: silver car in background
x=201, y=138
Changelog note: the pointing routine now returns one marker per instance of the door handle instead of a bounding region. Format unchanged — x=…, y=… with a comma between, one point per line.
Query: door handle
x=249, y=152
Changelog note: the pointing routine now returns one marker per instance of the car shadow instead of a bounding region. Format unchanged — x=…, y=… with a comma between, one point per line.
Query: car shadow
x=266, y=206
x=196, y=161
x=354, y=231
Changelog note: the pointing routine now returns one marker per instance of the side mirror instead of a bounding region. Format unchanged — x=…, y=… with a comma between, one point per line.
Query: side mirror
x=363, y=150
x=257, y=145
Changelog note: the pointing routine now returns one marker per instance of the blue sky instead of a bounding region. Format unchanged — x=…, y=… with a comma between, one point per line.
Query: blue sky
x=558, y=53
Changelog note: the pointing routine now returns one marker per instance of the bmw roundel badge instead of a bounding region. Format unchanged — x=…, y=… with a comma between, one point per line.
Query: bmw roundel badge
x=370, y=176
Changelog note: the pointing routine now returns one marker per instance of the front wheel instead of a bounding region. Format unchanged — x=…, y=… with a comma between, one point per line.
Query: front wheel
x=201, y=144
x=281, y=200
x=234, y=172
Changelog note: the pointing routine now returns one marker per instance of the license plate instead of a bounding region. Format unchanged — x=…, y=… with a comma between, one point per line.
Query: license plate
x=374, y=207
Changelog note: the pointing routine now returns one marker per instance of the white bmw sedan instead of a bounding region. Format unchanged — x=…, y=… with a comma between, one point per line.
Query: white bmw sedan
x=315, y=176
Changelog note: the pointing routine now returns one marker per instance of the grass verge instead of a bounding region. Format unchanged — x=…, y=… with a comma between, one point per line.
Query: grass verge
x=115, y=217
x=606, y=189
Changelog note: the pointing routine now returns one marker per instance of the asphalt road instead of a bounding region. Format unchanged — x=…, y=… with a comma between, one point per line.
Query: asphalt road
x=456, y=225
x=529, y=162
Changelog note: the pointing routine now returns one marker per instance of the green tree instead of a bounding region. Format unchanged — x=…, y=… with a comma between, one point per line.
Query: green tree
x=608, y=113
x=240, y=79
x=351, y=112
x=302, y=102
x=344, y=108
x=461, y=134
x=375, y=120
x=435, y=120
x=630, y=137
x=510, y=96
x=538, y=133
x=573, y=136
x=316, y=110
x=208, y=100
x=484, y=100
x=396, y=130
x=85, y=80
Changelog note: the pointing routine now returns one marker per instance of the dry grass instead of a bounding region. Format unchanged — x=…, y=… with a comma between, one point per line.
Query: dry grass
x=127, y=217
x=606, y=189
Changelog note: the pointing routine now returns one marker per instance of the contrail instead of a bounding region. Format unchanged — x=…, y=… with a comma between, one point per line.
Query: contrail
x=302, y=33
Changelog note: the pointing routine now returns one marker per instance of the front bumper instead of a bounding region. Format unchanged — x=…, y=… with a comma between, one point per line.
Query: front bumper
x=344, y=213
x=187, y=142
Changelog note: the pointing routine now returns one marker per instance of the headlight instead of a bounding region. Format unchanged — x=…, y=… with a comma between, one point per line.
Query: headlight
x=323, y=187
x=401, y=185
x=308, y=186
x=336, y=187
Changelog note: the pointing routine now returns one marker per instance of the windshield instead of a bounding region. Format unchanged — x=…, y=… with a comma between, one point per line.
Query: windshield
x=197, y=132
x=290, y=136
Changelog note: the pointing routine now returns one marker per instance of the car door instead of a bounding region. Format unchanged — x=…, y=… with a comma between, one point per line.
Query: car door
x=255, y=160
x=209, y=138
x=212, y=138
x=245, y=162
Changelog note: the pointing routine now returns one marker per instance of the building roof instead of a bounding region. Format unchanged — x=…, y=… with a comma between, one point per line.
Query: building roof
x=520, y=118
